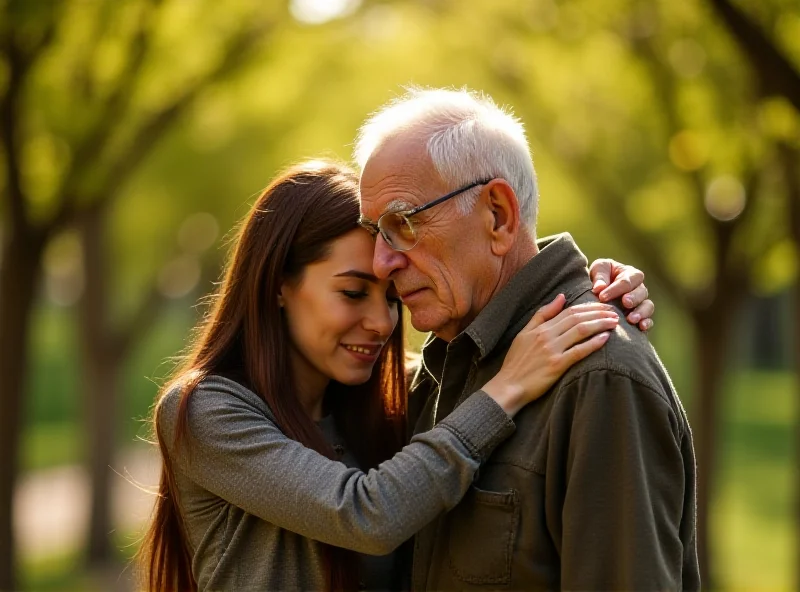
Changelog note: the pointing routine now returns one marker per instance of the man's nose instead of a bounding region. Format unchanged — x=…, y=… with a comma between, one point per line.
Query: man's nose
x=386, y=260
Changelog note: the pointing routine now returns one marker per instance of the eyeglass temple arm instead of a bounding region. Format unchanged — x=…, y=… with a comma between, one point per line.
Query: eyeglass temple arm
x=444, y=198
x=368, y=225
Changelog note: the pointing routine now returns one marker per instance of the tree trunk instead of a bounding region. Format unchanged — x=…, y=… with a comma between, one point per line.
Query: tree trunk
x=797, y=434
x=101, y=381
x=19, y=271
x=713, y=331
x=101, y=413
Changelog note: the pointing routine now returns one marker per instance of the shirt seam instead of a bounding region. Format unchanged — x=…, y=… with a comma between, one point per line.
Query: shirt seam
x=627, y=373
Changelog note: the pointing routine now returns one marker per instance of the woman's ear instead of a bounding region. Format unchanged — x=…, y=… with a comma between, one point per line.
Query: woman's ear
x=282, y=295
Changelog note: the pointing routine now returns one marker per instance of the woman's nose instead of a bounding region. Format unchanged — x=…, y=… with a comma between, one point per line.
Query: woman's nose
x=380, y=319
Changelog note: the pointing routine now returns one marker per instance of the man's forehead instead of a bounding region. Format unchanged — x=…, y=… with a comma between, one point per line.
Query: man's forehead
x=395, y=177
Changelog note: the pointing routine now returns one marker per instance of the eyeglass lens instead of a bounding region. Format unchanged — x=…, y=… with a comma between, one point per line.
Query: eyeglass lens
x=398, y=231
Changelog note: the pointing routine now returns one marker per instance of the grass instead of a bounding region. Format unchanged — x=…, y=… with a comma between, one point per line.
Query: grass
x=752, y=517
x=63, y=573
x=50, y=445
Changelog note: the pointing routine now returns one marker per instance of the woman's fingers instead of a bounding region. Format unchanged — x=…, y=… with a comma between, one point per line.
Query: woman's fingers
x=600, y=274
x=635, y=297
x=579, y=314
x=642, y=313
x=583, y=349
x=545, y=318
x=611, y=279
x=547, y=312
x=544, y=349
x=584, y=330
x=624, y=280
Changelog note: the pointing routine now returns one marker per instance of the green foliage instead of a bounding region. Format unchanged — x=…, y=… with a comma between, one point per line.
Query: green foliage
x=634, y=109
x=750, y=519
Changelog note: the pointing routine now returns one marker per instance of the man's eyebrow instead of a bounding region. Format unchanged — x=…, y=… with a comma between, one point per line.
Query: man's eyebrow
x=358, y=274
x=398, y=205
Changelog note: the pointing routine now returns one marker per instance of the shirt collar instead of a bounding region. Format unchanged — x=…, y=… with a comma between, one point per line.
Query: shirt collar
x=558, y=268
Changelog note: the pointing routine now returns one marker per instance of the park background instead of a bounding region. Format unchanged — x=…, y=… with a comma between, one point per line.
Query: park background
x=134, y=134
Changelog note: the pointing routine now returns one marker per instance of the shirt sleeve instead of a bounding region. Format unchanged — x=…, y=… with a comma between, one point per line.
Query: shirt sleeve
x=237, y=453
x=616, y=485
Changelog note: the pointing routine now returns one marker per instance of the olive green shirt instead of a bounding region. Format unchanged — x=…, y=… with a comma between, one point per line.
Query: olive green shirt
x=595, y=490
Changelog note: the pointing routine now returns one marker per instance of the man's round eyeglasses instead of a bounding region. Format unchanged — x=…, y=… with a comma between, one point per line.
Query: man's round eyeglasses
x=398, y=230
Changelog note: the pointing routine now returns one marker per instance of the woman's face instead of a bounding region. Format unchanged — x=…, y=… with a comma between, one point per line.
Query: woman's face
x=340, y=315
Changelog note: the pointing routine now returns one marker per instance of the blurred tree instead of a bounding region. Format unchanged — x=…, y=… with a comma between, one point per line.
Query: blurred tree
x=107, y=344
x=775, y=72
x=68, y=152
x=776, y=75
x=569, y=67
x=790, y=157
x=659, y=128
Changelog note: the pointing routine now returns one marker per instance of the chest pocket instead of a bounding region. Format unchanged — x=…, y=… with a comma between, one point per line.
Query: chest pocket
x=482, y=531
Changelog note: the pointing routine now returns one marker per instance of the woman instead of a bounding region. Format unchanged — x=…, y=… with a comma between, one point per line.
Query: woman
x=298, y=365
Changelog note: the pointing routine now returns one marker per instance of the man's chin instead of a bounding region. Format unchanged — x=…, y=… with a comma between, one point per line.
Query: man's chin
x=426, y=323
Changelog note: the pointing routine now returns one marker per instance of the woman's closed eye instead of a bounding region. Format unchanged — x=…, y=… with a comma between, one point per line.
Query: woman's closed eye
x=355, y=294
x=391, y=297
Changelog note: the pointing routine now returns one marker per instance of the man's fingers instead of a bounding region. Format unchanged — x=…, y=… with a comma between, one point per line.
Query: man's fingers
x=600, y=274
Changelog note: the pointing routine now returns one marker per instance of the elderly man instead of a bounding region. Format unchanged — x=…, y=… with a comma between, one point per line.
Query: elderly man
x=596, y=489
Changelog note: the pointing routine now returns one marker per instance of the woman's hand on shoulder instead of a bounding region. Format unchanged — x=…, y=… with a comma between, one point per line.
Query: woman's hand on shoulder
x=612, y=280
x=552, y=341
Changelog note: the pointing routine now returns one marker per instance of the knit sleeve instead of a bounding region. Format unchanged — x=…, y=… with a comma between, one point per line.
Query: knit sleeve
x=236, y=452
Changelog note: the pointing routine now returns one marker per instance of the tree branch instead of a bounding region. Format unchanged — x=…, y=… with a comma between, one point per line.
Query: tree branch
x=126, y=338
x=20, y=60
x=132, y=332
x=776, y=74
x=46, y=37
x=724, y=231
x=665, y=93
x=635, y=239
x=154, y=128
x=9, y=133
x=790, y=159
x=96, y=140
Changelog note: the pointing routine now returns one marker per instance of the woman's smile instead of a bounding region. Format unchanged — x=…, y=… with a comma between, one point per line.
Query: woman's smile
x=364, y=352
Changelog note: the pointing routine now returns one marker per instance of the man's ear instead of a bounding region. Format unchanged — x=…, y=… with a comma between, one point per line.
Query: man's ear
x=501, y=215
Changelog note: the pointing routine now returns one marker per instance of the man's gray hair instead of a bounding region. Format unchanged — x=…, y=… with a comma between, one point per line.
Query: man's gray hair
x=468, y=137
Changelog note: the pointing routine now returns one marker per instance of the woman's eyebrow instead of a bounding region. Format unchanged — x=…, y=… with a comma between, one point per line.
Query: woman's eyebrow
x=358, y=274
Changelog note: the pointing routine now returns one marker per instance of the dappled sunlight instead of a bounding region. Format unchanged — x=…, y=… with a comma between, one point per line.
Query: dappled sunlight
x=63, y=268
x=316, y=12
x=725, y=198
x=142, y=132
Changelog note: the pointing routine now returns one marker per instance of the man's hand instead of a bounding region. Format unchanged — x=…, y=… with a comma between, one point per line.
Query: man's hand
x=611, y=279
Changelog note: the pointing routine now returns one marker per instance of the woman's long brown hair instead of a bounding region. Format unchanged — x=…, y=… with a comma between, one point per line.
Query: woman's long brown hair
x=244, y=337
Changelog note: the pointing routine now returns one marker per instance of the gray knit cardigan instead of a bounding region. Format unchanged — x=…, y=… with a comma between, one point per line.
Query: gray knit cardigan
x=256, y=503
